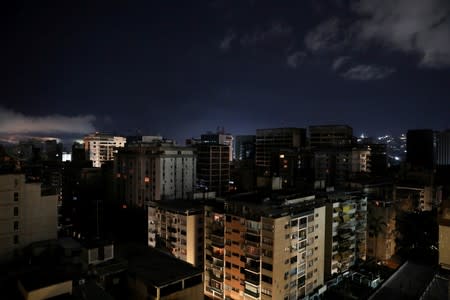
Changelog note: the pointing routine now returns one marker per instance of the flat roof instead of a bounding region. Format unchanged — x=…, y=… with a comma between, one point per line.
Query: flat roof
x=40, y=279
x=180, y=206
x=156, y=268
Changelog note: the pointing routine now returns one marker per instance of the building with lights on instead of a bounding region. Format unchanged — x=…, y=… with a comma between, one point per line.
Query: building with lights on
x=265, y=248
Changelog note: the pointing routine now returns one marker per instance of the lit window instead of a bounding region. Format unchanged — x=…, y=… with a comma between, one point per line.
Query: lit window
x=281, y=155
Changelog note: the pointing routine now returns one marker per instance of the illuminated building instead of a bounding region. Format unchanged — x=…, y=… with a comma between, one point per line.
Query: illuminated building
x=261, y=248
x=177, y=226
x=26, y=215
x=154, y=171
x=101, y=147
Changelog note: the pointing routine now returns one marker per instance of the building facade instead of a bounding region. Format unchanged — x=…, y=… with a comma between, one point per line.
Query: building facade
x=346, y=233
x=177, y=227
x=443, y=148
x=444, y=237
x=213, y=167
x=270, y=249
x=269, y=141
x=26, y=215
x=154, y=171
x=325, y=136
x=100, y=147
x=244, y=147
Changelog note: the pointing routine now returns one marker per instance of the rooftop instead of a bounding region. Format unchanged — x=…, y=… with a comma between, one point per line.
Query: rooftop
x=156, y=268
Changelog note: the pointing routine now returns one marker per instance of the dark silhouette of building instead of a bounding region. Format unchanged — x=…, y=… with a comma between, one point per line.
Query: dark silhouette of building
x=420, y=148
x=245, y=147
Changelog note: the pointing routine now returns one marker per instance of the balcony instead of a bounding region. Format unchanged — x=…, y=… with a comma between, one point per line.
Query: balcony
x=252, y=278
x=253, y=267
x=217, y=241
x=252, y=294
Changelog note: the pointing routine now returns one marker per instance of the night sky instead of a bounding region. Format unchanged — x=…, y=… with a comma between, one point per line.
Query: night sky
x=180, y=68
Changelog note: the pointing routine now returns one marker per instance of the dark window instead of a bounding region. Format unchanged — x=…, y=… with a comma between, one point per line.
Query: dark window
x=16, y=211
x=16, y=225
x=266, y=278
x=16, y=239
x=267, y=266
x=16, y=196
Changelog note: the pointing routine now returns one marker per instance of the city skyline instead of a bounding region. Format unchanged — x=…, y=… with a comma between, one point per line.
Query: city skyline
x=179, y=69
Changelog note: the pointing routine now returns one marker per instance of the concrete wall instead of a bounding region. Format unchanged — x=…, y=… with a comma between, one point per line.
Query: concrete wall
x=444, y=246
x=48, y=291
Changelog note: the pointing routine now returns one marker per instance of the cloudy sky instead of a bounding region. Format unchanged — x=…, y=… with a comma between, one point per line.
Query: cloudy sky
x=179, y=68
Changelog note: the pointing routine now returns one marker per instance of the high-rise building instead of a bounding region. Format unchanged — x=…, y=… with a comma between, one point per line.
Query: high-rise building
x=269, y=141
x=101, y=147
x=325, y=136
x=154, y=171
x=420, y=148
x=26, y=215
x=245, y=147
x=213, y=167
x=220, y=138
x=346, y=229
x=177, y=227
x=443, y=148
x=261, y=248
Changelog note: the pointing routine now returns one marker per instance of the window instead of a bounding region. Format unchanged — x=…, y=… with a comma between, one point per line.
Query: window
x=267, y=266
x=16, y=211
x=16, y=196
x=266, y=278
x=16, y=239
x=267, y=292
x=16, y=225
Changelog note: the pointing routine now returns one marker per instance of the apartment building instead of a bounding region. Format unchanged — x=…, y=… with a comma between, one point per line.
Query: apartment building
x=154, y=171
x=213, y=167
x=177, y=227
x=269, y=141
x=265, y=248
x=26, y=215
x=101, y=147
x=444, y=236
x=326, y=136
x=346, y=231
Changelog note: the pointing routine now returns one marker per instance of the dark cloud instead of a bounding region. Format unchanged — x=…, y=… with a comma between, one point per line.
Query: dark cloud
x=367, y=72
